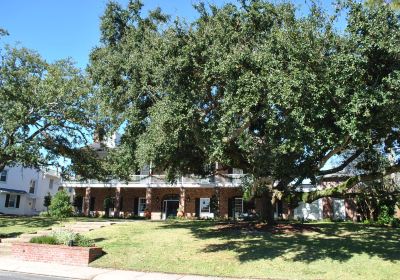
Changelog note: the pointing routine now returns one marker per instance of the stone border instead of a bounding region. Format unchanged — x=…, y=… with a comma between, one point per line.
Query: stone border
x=62, y=254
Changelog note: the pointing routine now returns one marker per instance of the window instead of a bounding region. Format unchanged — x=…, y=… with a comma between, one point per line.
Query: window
x=51, y=184
x=204, y=205
x=32, y=186
x=238, y=205
x=3, y=176
x=142, y=204
x=12, y=201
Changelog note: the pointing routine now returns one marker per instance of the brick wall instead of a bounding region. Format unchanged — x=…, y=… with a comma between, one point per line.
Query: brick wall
x=193, y=194
x=158, y=194
x=225, y=195
x=100, y=194
x=128, y=196
x=56, y=253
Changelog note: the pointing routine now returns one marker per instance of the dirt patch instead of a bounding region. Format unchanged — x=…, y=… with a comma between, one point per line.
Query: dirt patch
x=262, y=227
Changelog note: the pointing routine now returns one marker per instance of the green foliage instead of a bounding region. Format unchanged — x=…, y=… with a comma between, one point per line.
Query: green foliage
x=394, y=4
x=83, y=241
x=254, y=86
x=44, y=214
x=214, y=207
x=64, y=237
x=47, y=201
x=385, y=216
x=60, y=206
x=44, y=240
x=45, y=110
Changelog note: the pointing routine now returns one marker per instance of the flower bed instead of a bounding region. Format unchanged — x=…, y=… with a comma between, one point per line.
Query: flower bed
x=56, y=253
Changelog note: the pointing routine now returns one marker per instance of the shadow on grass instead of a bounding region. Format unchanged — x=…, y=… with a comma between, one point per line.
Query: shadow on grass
x=19, y=225
x=335, y=241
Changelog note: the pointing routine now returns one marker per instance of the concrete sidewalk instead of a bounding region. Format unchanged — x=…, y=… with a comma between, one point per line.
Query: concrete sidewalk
x=80, y=272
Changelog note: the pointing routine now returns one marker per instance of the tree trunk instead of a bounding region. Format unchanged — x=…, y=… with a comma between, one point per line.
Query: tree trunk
x=267, y=208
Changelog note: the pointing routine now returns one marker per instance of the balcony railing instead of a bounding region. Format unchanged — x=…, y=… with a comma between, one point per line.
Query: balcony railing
x=160, y=181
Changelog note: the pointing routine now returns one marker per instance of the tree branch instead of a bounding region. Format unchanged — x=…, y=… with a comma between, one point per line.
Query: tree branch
x=237, y=132
x=341, y=166
x=334, y=152
x=340, y=190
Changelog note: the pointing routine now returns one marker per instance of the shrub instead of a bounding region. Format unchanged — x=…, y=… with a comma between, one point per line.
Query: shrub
x=83, y=241
x=395, y=223
x=44, y=214
x=64, y=236
x=385, y=216
x=44, y=240
x=47, y=201
x=60, y=206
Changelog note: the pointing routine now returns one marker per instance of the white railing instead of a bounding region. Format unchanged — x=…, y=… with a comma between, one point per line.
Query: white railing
x=225, y=180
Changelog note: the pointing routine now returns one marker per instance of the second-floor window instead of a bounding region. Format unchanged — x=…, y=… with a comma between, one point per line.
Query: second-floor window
x=32, y=186
x=3, y=176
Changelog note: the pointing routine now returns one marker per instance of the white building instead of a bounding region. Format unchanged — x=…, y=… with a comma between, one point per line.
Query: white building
x=315, y=210
x=22, y=190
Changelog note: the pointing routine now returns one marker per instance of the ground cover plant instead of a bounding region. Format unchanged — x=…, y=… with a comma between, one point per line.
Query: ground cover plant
x=310, y=251
x=64, y=237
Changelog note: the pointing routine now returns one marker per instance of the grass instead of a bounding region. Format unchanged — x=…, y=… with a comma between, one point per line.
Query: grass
x=13, y=226
x=337, y=251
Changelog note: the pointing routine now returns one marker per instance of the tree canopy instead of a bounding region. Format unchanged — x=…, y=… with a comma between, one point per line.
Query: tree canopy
x=43, y=110
x=254, y=86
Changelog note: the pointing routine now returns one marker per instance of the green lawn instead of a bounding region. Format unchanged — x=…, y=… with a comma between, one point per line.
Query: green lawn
x=14, y=226
x=337, y=251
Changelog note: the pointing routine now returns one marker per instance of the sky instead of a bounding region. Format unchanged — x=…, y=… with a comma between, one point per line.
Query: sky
x=59, y=29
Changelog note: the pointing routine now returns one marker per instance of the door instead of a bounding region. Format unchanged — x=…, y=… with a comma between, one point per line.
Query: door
x=171, y=208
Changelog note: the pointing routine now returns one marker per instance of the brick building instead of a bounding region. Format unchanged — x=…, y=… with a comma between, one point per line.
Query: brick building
x=150, y=195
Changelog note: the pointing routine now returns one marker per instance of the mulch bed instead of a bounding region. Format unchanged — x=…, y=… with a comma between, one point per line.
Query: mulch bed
x=262, y=227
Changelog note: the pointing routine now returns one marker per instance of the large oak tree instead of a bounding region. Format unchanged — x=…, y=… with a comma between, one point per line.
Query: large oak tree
x=254, y=86
x=44, y=112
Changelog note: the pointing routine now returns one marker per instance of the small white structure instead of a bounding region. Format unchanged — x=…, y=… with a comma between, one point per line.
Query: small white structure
x=315, y=210
x=22, y=190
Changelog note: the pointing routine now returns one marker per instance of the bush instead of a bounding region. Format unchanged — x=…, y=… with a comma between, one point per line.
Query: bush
x=83, y=241
x=64, y=236
x=395, y=223
x=60, y=206
x=44, y=240
x=385, y=217
x=47, y=201
x=44, y=214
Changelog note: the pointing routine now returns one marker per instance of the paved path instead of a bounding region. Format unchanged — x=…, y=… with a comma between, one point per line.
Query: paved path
x=85, y=273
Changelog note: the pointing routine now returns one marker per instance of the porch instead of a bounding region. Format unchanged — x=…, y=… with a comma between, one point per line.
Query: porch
x=160, y=202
